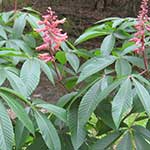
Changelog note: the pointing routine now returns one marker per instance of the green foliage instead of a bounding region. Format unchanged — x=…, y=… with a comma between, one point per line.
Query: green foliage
x=107, y=106
x=113, y=101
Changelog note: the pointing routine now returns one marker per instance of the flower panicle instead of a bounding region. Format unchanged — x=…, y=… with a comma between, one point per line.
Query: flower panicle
x=52, y=35
x=141, y=27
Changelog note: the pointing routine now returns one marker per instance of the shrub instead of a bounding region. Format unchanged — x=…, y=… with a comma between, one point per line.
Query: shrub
x=107, y=102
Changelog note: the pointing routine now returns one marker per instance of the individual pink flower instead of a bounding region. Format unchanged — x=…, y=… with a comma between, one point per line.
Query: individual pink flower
x=46, y=57
x=141, y=27
x=52, y=35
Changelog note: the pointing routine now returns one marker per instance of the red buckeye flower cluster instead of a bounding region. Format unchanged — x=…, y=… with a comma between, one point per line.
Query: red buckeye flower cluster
x=52, y=35
x=141, y=27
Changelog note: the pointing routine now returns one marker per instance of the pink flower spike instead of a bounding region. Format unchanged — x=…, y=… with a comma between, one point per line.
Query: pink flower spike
x=141, y=27
x=52, y=34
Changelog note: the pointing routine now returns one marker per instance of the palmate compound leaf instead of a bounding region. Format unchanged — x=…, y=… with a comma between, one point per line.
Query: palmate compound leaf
x=88, y=104
x=18, y=109
x=30, y=75
x=143, y=95
x=122, y=102
x=48, y=132
x=95, y=65
x=6, y=130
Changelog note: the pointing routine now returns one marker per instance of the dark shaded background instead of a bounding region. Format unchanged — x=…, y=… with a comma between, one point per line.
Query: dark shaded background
x=80, y=13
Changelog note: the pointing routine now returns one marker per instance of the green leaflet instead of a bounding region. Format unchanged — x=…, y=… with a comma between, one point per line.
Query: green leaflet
x=125, y=143
x=19, y=110
x=6, y=130
x=87, y=105
x=48, y=131
x=95, y=65
x=143, y=95
x=122, y=102
x=106, y=141
x=30, y=75
x=58, y=111
x=122, y=67
x=108, y=44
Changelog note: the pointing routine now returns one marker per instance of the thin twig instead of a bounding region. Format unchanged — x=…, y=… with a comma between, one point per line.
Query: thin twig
x=15, y=5
x=145, y=61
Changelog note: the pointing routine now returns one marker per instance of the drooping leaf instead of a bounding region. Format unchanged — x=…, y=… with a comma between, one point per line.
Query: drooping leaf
x=6, y=130
x=143, y=95
x=19, y=110
x=73, y=126
x=122, y=102
x=21, y=134
x=48, y=132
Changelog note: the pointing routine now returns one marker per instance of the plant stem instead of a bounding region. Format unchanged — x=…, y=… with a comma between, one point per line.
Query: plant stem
x=59, y=77
x=57, y=73
x=145, y=61
x=15, y=5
